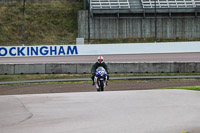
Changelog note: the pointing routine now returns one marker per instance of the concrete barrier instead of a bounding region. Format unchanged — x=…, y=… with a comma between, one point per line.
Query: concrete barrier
x=7, y=69
x=155, y=67
x=57, y=68
x=29, y=69
x=81, y=68
x=84, y=68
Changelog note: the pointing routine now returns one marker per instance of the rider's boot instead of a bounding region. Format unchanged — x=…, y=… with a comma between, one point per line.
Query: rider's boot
x=106, y=82
x=93, y=83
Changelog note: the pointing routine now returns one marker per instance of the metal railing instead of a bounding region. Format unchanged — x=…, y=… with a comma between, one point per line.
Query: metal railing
x=109, y=4
x=170, y=3
x=27, y=0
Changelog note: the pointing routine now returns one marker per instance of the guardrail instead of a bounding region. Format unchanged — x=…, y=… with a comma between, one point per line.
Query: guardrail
x=112, y=78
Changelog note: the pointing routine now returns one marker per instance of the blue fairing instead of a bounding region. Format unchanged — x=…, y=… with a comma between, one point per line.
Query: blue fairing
x=101, y=72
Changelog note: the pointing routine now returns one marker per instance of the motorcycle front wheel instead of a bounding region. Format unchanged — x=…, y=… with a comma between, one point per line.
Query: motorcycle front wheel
x=101, y=86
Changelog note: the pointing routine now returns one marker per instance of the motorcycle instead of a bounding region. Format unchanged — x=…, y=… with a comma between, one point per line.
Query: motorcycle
x=100, y=79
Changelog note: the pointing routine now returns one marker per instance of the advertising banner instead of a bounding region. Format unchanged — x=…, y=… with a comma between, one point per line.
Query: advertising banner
x=56, y=50
x=99, y=49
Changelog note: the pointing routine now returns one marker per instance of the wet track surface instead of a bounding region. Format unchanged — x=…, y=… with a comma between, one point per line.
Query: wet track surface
x=173, y=57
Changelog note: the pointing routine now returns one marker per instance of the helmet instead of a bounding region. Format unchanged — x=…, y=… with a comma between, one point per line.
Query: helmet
x=100, y=59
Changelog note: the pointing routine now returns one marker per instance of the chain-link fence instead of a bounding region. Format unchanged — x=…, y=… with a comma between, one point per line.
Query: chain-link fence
x=46, y=22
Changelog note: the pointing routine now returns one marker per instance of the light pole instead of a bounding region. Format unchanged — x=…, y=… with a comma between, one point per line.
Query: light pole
x=155, y=15
x=23, y=10
x=84, y=4
x=89, y=23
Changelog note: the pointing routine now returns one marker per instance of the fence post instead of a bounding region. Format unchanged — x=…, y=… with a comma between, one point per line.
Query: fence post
x=23, y=10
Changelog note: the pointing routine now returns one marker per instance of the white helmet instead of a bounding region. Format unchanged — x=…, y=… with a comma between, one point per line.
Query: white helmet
x=100, y=59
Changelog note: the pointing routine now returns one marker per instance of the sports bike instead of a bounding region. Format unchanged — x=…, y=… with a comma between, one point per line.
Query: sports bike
x=100, y=79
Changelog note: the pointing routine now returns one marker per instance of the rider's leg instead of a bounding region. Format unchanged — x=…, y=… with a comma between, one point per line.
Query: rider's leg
x=93, y=80
x=107, y=78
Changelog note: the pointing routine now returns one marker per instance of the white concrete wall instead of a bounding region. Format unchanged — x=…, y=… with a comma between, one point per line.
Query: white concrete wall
x=96, y=49
x=139, y=48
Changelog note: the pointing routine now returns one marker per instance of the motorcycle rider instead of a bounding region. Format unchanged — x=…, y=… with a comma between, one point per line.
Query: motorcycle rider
x=99, y=63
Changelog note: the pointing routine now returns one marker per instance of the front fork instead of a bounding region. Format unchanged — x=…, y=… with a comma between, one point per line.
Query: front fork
x=96, y=80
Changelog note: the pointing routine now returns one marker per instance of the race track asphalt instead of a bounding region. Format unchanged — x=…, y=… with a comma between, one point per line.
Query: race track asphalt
x=144, y=111
x=172, y=57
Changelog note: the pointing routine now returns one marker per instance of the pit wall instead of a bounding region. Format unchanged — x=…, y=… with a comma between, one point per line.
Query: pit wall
x=114, y=28
x=80, y=68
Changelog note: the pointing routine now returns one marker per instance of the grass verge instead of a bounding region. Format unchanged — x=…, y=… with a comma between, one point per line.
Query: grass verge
x=138, y=40
x=46, y=23
x=46, y=83
x=195, y=88
x=22, y=77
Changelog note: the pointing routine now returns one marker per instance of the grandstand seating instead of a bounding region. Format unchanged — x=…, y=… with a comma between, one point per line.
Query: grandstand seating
x=109, y=4
x=170, y=3
x=145, y=8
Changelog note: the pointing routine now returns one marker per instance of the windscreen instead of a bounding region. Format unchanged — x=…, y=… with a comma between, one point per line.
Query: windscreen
x=100, y=69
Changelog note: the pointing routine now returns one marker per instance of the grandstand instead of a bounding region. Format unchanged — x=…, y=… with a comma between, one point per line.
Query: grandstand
x=110, y=4
x=145, y=7
x=171, y=3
